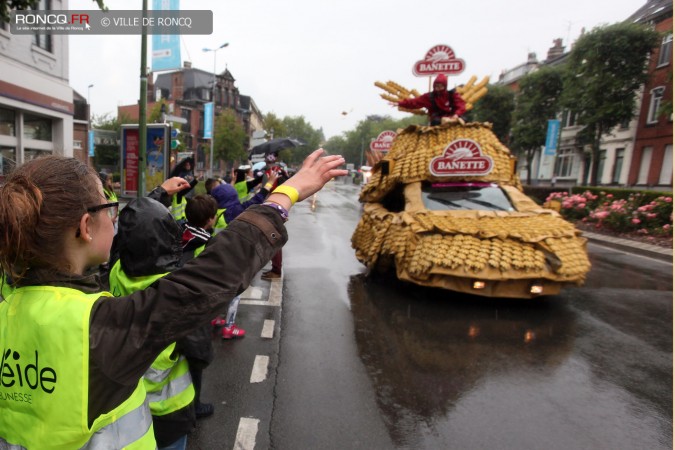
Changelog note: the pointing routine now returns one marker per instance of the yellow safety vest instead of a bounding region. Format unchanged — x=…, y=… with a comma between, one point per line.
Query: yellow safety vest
x=220, y=224
x=5, y=287
x=110, y=195
x=178, y=208
x=168, y=381
x=44, y=377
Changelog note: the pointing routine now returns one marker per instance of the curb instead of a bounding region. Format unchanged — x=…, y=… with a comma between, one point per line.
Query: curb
x=652, y=251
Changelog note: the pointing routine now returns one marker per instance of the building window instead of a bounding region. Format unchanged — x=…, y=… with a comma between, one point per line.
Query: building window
x=655, y=104
x=645, y=162
x=601, y=164
x=666, y=50
x=7, y=161
x=7, y=122
x=569, y=118
x=30, y=154
x=565, y=163
x=666, y=175
x=43, y=40
x=618, y=165
x=36, y=127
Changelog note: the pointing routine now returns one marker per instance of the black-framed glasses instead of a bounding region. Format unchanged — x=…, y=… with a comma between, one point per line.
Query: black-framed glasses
x=111, y=207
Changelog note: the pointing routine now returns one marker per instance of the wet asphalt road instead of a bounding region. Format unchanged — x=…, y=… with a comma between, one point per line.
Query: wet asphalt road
x=362, y=362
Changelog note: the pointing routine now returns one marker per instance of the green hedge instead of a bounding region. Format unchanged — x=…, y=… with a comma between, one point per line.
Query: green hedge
x=622, y=193
x=539, y=193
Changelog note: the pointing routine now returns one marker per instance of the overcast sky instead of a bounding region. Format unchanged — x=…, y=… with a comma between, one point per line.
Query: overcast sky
x=320, y=58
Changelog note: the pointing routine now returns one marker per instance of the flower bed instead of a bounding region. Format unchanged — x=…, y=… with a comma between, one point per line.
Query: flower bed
x=636, y=215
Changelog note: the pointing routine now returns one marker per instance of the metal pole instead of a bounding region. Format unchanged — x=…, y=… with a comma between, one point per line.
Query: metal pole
x=142, y=119
x=213, y=121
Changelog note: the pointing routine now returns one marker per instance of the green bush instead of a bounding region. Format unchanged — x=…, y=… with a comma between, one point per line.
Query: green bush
x=639, y=212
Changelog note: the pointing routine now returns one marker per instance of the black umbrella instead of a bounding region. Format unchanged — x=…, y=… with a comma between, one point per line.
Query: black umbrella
x=274, y=146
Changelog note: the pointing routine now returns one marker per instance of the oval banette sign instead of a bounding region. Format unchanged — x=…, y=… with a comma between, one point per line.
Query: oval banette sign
x=462, y=157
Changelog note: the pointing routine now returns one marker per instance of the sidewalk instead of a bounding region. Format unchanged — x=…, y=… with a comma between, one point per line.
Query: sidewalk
x=653, y=251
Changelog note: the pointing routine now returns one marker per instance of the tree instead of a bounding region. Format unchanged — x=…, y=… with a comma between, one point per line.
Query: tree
x=536, y=103
x=229, y=137
x=297, y=127
x=603, y=73
x=107, y=151
x=358, y=139
x=274, y=125
x=7, y=5
x=497, y=108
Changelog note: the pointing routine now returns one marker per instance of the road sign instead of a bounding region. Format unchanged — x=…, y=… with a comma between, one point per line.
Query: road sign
x=170, y=118
x=175, y=132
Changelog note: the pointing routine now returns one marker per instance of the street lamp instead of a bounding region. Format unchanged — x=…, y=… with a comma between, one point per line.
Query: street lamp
x=213, y=99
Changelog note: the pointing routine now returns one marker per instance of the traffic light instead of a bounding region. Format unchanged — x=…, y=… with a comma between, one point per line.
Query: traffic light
x=174, y=138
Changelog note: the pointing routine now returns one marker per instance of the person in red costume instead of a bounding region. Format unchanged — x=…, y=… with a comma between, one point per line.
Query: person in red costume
x=442, y=105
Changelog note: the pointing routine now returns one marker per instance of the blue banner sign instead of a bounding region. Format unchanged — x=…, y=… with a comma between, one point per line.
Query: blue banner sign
x=552, y=137
x=208, y=120
x=90, y=142
x=165, y=47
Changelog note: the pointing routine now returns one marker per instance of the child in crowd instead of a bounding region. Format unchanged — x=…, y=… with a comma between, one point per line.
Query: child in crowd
x=229, y=207
x=55, y=225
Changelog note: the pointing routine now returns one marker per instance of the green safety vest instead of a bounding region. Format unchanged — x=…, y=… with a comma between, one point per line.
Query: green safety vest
x=178, y=208
x=110, y=195
x=44, y=377
x=168, y=380
x=220, y=224
x=198, y=251
x=5, y=287
x=242, y=191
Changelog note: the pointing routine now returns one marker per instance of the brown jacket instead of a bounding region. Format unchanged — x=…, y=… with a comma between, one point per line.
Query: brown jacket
x=127, y=336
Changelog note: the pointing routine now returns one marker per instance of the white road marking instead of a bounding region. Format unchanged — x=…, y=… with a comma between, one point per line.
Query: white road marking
x=252, y=292
x=274, y=299
x=259, y=372
x=268, y=330
x=246, y=433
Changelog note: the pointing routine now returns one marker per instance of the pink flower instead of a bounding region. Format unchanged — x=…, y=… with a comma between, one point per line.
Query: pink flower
x=668, y=199
x=666, y=227
x=610, y=196
x=635, y=221
x=581, y=205
x=651, y=216
x=601, y=214
x=643, y=231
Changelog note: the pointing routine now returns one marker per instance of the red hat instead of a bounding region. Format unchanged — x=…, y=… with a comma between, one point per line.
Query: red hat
x=442, y=79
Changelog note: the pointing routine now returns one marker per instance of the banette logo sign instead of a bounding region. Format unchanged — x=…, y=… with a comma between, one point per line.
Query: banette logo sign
x=439, y=59
x=462, y=157
x=383, y=142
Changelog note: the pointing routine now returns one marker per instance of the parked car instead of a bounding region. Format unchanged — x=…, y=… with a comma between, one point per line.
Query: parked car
x=445, y=208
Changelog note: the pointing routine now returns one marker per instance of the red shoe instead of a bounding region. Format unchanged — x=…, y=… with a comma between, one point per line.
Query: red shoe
x=233, y=332
x=218, y=322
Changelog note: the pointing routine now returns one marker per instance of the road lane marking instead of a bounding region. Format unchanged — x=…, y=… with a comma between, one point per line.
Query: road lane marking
x=268, y=329
x=246, y=433
x=259, y=372
x=276, y=287
x=274, y=298
x=252, y=292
